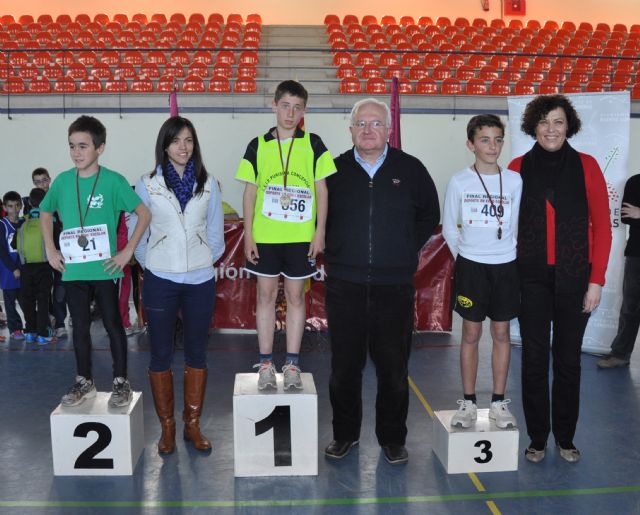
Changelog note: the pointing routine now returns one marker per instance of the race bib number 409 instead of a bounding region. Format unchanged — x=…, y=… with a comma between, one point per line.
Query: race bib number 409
x=93, y=247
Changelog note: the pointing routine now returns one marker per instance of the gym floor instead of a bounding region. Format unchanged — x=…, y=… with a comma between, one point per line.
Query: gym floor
x=33, y=378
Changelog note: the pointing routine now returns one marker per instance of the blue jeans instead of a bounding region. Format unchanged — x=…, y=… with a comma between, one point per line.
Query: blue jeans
x=629, y=320
x=163, y=299
x=11, y=297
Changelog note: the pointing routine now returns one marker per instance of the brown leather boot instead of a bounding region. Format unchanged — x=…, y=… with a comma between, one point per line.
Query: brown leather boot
x=195, y=381
x=162, y=388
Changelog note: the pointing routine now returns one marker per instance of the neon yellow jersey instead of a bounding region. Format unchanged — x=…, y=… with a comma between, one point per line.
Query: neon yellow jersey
x=285, y=214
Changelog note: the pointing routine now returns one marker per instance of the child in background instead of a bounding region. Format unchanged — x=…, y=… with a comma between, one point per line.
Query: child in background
x=36, y=274
x=9, y=263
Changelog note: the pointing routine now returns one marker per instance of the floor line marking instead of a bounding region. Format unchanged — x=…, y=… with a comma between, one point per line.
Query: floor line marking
x=488, y=497
x=474, y=478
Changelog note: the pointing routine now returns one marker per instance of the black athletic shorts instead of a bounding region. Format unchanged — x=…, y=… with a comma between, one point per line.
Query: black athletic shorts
x=481, y=290
x=288, y=259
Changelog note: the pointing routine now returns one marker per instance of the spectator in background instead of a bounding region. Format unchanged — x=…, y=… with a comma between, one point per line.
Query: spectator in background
x=629, y=320
x=10, y=262
x=36, y=274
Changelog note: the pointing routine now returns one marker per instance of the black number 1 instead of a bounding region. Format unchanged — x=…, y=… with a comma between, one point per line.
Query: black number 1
x=280, y=421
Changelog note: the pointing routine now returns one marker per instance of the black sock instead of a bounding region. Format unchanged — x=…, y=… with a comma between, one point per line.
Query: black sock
x=471, y=397
x=497, y=397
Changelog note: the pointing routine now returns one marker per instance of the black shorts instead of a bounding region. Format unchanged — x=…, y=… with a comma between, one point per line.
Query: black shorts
x=481, y=290
x=288, y=259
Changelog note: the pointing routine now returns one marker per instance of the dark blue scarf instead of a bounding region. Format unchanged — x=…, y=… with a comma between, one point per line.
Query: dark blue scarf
x=182, y=188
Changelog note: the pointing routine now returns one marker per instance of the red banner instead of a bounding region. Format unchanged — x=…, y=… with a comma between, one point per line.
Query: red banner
x=236, y=289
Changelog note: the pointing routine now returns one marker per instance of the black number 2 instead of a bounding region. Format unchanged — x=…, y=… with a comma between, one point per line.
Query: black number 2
x=87, y=459
x=485, y=445
x=280, y=421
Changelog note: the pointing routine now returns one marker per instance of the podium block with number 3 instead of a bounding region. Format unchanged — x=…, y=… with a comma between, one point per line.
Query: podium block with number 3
x=275, y=431
x=92, y=439
x=481, y=448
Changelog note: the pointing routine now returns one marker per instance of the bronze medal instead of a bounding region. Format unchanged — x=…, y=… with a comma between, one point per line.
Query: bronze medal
x=285, y=201
x=83, y=241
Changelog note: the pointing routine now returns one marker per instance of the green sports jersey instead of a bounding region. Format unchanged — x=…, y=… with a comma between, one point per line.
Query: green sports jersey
x=112, y=195
x=285, y=215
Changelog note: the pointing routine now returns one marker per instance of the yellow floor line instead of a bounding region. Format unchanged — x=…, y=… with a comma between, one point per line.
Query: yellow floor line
x=474, y=479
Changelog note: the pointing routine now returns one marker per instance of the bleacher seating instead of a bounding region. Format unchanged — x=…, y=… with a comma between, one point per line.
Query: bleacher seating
x=485, y=57
x=117, y=54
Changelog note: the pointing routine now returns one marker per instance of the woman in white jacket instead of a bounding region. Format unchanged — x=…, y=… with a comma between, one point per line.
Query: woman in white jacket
x=184, y=240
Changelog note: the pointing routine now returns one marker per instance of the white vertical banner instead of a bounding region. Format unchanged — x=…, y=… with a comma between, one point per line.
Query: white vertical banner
x=605, y=136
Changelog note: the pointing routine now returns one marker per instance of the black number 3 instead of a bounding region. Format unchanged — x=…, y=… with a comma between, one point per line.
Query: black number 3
x=87, y=459
x=484, y=445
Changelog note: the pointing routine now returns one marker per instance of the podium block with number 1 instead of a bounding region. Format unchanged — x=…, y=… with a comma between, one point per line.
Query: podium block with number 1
x=275, y=431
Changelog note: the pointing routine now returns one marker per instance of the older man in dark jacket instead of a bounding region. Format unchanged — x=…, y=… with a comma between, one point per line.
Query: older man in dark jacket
x=383, y=207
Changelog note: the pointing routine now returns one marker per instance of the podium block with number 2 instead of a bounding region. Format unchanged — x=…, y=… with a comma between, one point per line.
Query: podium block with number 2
x=481, y=448
x=275, y=431
x=92, y=439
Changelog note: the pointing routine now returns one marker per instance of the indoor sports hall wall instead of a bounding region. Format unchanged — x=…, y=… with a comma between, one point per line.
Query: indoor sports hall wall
x=612, y=11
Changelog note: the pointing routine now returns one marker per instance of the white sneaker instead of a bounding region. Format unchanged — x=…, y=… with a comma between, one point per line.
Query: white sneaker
x=292, y=377
x=266, y=375
x=61, y=332
x=499, y=412
x=467, y=414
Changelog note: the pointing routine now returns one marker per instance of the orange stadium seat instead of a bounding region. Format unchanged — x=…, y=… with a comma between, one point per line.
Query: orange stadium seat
x=594, y=86
x=64, y=85
x=368, y=19
x=350, y=85
x=254, y=18
x=370, y=70
x=216, y=18
x=245, y=85
x=376, y=86
x=247, y=71
x=14, y=85
x=394, y=70
x=193, y=84
x=90, y=85
x=418, y=72
x=424, y=21
x=451, y=86
x=149, y=70
x=116, y=86
x=388, y=20
x=346, y=70
x=405, y=87
x=223, y=69
x=198, y=70
x=427, y=86
x=548, y=87
x=331, y=19
x=178, y=18
x=475, y=86
x=219, y=84
x=465, y=72
x=499, y=87
x=39, y=85
x=407, y=20
x=524, y=87
x=441, y=72
x=570, y=86
x=159, y=18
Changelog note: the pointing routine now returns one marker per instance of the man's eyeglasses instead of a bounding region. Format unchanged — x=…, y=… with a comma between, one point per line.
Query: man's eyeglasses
x=39, y=182
x=375, y=124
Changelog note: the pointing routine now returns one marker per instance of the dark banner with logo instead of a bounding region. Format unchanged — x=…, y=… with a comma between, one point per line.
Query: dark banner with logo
x=236, y=289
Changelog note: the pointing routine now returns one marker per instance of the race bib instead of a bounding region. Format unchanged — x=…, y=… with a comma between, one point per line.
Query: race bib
x=291, y=205
x=477, y=211
x=93, y=247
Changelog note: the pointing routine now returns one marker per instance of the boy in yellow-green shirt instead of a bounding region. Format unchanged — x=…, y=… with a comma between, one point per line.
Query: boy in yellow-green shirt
x=285, y=210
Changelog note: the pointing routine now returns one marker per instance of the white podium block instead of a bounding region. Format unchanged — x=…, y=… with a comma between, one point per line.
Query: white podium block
x=275, y=432
x=92, y=439
x=483, y=447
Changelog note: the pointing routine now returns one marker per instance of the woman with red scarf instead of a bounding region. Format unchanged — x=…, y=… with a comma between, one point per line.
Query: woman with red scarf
x=564, y=238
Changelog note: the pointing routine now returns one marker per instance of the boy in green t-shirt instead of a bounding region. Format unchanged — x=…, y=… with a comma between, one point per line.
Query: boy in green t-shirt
x=89, y=199
x=285, y=210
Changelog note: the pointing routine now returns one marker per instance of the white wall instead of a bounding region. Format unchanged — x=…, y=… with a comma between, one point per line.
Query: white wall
x=312, y=13
x=29, y=141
